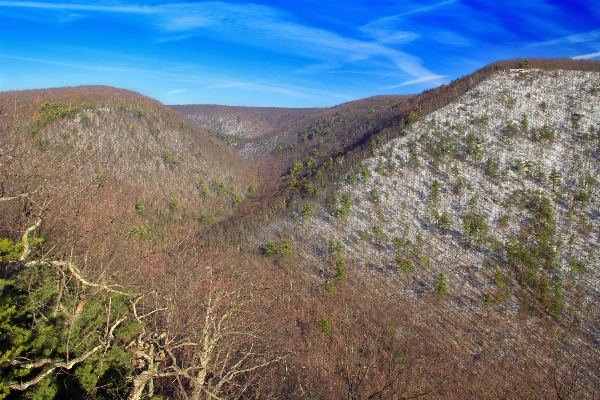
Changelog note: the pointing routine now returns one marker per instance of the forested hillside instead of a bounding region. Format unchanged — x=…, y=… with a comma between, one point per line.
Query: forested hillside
x=237, y=124
x=442, y=245
x=485, y=210
x=107, y=189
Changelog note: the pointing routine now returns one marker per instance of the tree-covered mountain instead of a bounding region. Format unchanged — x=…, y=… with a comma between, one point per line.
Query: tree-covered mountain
x=482, y=219
x=442, y=245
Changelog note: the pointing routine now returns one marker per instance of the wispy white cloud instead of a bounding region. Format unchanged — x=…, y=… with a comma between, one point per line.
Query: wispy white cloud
x=64, y=63
x=397, y=17
x=386, y=35
x=428, y=8
x=418, y=80
x=286, y=90
x=197, y=78
x=254, y=25
x=70, y=17
x=174, y=38
x=79, y=7
x=275, y=89
x=452, y=38
x=228, y=85
x=387, y=29
x=399, y=29
x=257, y=87
x=265, y=27
x=585, y=37
x=586, y=56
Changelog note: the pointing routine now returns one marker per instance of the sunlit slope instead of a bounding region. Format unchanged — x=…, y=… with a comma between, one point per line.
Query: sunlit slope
x=110, y=158
x=488, y=206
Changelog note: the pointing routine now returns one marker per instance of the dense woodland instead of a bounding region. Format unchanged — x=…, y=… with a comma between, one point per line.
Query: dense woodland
x=441, y=245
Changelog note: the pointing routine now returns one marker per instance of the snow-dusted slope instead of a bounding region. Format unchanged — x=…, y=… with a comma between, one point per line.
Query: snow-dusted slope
x=491, y=153
x=405, y=207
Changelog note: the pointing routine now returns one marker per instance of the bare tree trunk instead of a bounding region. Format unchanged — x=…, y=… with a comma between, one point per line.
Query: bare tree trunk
x=143, y=380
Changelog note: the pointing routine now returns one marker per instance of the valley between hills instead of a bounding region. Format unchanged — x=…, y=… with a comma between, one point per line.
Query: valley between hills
x=437, y=245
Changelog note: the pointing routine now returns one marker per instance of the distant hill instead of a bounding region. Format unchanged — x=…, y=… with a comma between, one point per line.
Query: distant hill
x=242, y=122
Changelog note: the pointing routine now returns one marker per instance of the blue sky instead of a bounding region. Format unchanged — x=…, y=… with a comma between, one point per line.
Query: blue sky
x=303, y=53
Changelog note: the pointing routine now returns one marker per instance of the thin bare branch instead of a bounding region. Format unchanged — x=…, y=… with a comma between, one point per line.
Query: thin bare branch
x=19, y=196
x=75, y=271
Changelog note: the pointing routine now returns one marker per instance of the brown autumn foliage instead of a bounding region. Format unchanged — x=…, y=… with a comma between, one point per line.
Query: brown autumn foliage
x=367, y=341
x=246, y=122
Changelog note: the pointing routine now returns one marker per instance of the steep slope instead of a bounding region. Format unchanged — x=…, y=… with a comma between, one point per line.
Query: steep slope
x=329, y=144
x=309, y=155
x=487, y=208
x=112, y=166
